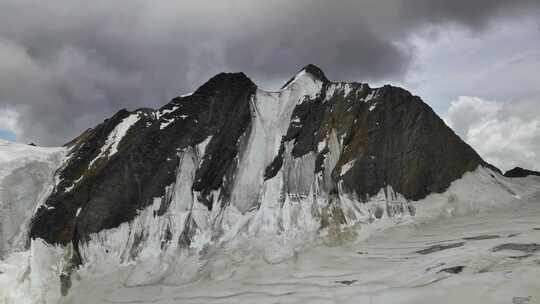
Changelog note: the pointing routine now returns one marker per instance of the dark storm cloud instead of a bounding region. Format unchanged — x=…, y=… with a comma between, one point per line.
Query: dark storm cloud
x=65, y=66
x=475, y=14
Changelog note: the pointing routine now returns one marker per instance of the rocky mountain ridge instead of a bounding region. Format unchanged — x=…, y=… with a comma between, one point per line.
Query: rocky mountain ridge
x=359, y=140
x=520, y=172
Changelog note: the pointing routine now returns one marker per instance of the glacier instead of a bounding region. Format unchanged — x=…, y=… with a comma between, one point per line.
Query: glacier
x=26, y=177
x=278, y=254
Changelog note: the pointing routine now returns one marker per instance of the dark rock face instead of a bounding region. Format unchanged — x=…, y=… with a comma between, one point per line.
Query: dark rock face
x=388, y=137
x=394, y=139
x=111, y=190
x=520, y=172
x=406, y=145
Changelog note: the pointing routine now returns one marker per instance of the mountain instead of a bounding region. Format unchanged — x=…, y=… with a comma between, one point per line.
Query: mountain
x=232, y=167
x=345, y=137
x=520, y=172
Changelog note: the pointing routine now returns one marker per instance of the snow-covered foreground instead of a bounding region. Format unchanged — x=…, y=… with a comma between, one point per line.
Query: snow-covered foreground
x=484, y=256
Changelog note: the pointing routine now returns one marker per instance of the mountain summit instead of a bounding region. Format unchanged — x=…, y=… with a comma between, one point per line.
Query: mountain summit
x=237, y=140
x=232, y=160
x=310, y=69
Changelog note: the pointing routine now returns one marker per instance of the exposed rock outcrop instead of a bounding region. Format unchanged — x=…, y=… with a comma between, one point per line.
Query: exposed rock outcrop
x=520, y=172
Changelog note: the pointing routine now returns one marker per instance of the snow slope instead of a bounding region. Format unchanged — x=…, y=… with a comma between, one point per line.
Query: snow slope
x=26, y=174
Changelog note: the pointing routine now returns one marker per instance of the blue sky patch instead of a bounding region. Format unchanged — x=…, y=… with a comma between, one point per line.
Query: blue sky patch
x=7, y=135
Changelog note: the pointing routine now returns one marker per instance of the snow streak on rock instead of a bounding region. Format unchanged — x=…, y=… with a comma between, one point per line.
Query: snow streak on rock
x=110, y=147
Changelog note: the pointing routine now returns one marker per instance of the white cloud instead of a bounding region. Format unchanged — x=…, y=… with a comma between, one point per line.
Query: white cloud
x=505, y=134
x=8, y=119
x=498, y=64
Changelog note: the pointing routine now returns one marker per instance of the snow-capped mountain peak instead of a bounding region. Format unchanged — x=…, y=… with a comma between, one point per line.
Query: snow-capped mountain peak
x=235, y=167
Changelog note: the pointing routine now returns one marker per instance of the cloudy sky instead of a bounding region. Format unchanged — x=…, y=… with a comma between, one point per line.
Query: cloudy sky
x=67, y=65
